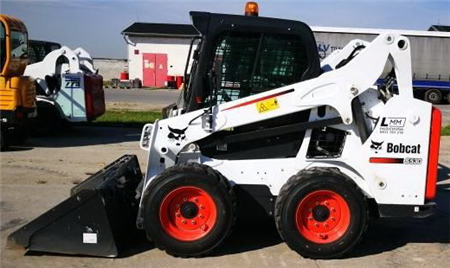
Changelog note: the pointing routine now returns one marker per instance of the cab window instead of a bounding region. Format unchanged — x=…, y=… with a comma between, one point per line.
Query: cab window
x=246, y=64
x=19, y=46
x=2, y=46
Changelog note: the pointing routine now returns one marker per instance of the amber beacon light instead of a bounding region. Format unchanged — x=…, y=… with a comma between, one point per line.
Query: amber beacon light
x=251, y=9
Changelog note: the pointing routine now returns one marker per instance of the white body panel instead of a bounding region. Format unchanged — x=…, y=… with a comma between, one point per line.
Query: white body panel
x=402, y=127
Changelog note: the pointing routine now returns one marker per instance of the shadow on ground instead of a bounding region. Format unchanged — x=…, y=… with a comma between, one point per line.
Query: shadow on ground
x=383, y=235
x=388, y=234
x=82, y=136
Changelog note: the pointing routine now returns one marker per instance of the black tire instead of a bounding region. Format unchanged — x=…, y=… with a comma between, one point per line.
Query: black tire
x=308, y=213
x=433, y=96
x=175, y=203
x=3, y=144
x=47, y=122
x=21, y=133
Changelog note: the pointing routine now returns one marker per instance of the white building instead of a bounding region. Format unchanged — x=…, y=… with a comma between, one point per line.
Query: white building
x=157, y=52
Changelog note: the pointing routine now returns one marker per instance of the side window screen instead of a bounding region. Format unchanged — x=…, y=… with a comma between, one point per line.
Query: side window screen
x=247, y=64
x=19, y=45
x=2, y=46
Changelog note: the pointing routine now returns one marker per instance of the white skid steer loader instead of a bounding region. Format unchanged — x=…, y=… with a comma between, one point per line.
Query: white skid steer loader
x=69, y=89
x=318, y=148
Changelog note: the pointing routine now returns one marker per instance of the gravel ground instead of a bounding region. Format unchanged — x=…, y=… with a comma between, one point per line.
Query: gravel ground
x=37, y=176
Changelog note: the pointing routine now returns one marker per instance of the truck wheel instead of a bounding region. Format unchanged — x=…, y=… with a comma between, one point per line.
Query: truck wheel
x=20, y=135
x=320, y=213
x=46, y=123
x=190, y=209
x=433, y=95
x=2, y=141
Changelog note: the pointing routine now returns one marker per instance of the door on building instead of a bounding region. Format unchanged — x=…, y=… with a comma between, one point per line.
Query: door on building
x=155, y=69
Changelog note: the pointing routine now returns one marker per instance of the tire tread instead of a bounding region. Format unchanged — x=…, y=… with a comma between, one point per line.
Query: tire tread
x=305, y=175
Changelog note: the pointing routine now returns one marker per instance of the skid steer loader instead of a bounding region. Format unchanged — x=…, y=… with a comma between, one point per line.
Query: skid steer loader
x=317, y=147
x=69, y=88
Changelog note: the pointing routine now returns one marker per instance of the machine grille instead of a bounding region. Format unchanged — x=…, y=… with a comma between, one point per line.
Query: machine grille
x=326, y=143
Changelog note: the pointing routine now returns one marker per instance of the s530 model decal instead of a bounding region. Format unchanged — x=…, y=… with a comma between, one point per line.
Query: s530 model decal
x=394, y=160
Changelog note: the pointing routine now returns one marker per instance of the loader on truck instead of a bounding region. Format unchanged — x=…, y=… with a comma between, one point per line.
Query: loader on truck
x=17, y=92
x=318, y=148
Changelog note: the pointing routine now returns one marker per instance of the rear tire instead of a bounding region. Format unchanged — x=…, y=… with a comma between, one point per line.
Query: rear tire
x=189, y=211
x=433, y=96
x=320, y=213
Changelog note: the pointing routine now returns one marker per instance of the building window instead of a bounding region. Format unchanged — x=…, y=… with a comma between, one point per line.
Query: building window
x=136, y=52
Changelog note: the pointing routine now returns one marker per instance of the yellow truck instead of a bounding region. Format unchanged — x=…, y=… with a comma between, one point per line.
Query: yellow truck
x=17, y=92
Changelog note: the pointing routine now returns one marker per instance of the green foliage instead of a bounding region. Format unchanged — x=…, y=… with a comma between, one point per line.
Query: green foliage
x=127, y=118
x=140, y=118
x=445, y=131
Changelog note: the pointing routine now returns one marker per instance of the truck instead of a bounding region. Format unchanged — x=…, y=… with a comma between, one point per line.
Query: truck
x=17, y=92
x=263, y=125
x=430, y=56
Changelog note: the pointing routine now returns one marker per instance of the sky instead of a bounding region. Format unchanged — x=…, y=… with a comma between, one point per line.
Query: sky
x=96, y=25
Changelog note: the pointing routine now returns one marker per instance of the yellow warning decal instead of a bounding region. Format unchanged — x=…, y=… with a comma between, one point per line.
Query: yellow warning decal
x=267, y=105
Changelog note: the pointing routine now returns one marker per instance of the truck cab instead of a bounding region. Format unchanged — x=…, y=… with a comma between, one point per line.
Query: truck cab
x=17, y=92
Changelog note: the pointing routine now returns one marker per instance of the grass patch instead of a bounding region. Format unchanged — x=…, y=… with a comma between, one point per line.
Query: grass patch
x=445, y=131
x=127, y=118
x=130, y=118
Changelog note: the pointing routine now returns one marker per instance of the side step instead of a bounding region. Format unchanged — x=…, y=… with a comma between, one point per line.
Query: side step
x=94, y=220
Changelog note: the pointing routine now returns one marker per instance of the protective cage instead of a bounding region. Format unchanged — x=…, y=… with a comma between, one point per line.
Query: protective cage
x=247, y=64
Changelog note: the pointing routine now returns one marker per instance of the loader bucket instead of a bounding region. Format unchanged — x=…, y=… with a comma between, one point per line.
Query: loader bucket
x=100, y=213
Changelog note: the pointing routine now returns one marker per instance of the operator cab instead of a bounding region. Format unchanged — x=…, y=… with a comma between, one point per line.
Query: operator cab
x=13, y=44
x=38, y=49
x=239, y=56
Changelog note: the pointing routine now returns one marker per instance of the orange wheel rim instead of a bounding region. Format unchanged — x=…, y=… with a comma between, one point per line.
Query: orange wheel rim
x=188, y=213
x=322, y=217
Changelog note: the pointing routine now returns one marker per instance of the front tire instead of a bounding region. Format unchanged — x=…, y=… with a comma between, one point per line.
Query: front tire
x=189, y=211
x=320, y=213
x=3, y=144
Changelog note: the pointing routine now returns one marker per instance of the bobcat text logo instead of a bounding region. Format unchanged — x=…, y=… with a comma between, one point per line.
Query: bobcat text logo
x=376, y=146
x=402, y=148
x=177, y=135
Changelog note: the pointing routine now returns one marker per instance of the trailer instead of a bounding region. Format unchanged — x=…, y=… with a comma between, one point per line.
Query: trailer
x=430, y=56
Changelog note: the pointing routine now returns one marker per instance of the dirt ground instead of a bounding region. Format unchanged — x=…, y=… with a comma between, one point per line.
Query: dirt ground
x=37, y=176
